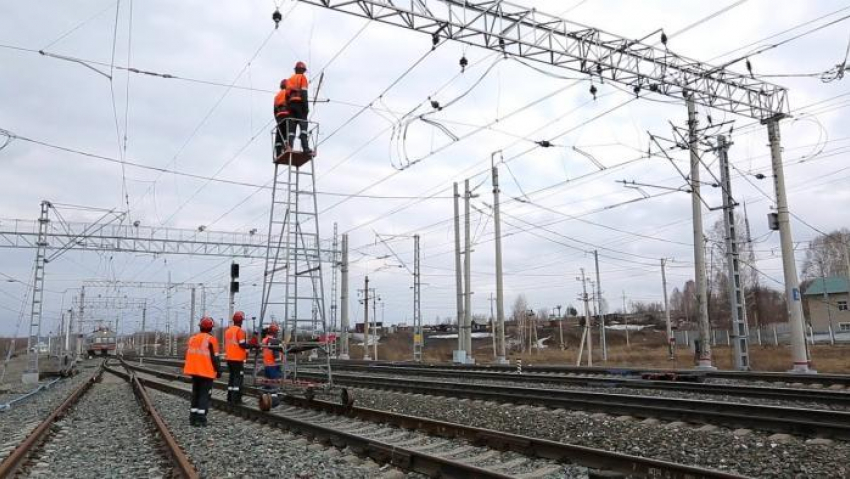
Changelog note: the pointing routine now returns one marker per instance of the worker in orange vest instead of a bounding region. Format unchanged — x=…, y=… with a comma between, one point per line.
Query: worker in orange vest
x=273, y=358
x=298, y=106
x=281, y=116
x=203, y=367
x=235, y=354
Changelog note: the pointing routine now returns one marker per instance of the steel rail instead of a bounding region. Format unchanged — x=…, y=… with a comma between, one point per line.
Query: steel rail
x=772, y=418
x=178, y=456
x=789, y=394
x=585, y=456
x=843, y=379
x=17, y=458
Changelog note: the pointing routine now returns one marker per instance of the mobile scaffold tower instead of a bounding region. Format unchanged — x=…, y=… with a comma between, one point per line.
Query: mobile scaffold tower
x=293, y=286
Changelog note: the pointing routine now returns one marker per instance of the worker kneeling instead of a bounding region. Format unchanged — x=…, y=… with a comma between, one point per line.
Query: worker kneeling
x=235, y=354
x=202, y=366
x=273, y=359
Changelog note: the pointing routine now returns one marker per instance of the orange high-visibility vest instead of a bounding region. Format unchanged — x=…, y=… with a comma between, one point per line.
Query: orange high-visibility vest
x=198, y=359
x=233, y=337
x=297, y=87
x=281, y=103
x=270, y=356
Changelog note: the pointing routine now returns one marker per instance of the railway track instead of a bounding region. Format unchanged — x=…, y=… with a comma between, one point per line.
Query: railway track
x=438, y=448
x=827, y=397
x=102, y=428
x=807, y=422
x=821, y=380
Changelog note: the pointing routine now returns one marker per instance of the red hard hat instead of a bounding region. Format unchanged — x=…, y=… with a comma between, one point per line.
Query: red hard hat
x=273, y=328
x=206, y=323
x=238, y=317
x=301, y=65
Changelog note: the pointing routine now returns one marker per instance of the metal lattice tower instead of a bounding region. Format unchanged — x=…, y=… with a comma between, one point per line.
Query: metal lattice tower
x=38, y=291
x=740, y=329
x=418, y=337
x=292, y=281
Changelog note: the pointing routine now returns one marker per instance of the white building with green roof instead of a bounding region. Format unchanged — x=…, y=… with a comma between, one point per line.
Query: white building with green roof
x=832, y=309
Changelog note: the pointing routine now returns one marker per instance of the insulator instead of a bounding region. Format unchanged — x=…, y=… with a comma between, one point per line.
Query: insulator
x=593, y=91
x=277, y=17
x=544, y=143
x=708, y=117
x=664, y=39
x=463, y=63
x=435, y=40
x=636, y=89
x=435, y=105
x=599, y=69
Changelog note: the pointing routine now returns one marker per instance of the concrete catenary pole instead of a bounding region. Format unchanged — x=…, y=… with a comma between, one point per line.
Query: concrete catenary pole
x=144, y=333
x=80, y=319
x=343, y=353
x=799, y=354
x=603, y=340
x=500, y=294
x=671, y=341
x=458, y=275
x=467, y=274
x=366, y=319
x=705, y=360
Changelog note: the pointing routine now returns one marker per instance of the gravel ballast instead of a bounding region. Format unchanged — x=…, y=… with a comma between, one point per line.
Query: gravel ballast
x=234, y=447
x=106, y=434
x=17, y=422
x=743, y=452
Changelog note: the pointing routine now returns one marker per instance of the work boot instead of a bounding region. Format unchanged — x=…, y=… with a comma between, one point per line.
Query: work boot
x=202, y=420
x=305, y=145
x=237, y=397
x=193, y=419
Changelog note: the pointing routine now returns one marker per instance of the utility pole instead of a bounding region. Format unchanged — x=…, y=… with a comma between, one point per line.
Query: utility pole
x=705, y=359
x=826, y=304
x=626, y=320
x=343, y=353
x=366, y=319
x=602, y=336
x=168, y=317
x=493, y=327
x=82, y=315
x=740, y=329
x=375, y=299
x=144, y=335
x=671, y=340
x=334, y=267
x=191, y=310
x=799, y=353
x=467, y=271
x=459, y=355
x=501, y=357
x=587, y=331
x=418, y=334
x=560, y=326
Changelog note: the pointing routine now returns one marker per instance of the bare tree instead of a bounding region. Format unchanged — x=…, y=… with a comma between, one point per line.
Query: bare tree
x=826, y=255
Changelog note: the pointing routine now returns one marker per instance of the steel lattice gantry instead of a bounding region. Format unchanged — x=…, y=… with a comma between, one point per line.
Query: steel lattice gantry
x=529, y=34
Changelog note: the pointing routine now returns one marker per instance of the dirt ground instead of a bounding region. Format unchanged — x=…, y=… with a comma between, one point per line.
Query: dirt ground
x=644, y=351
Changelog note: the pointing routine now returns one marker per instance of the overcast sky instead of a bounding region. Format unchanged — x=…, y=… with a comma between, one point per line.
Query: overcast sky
x=211, y=130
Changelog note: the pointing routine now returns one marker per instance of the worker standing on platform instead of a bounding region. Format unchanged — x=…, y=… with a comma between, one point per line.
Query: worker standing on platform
x=281, y=116
x=203, y=366
x=298, y=106
x=273, y=359
x=235, y=353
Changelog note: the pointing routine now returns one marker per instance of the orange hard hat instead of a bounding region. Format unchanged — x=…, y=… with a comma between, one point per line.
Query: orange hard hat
x=273, y=328
x=238, y=317
x=206, y=323
x=301, y=66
